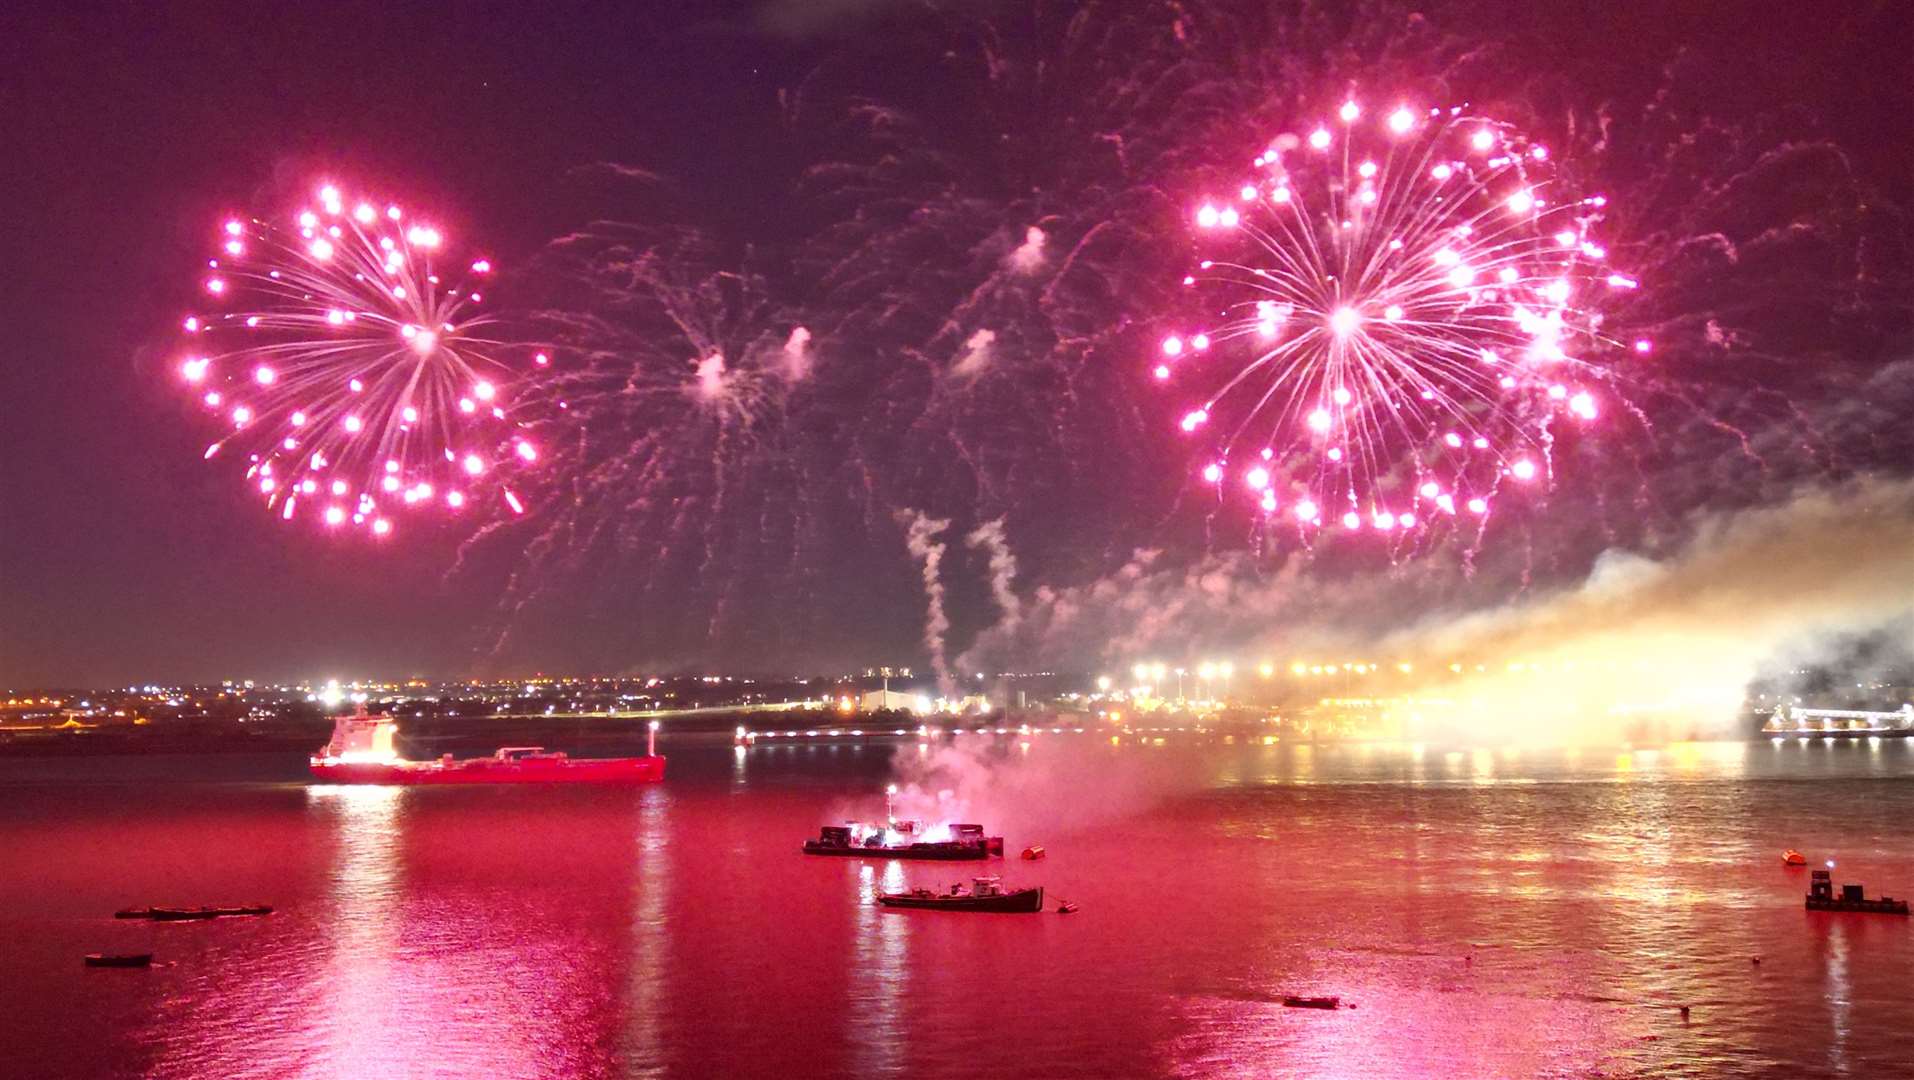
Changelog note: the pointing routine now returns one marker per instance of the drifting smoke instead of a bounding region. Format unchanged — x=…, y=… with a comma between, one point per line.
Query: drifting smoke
x=1676, y=642
x=1003, y=568
x=797, y=354
x=1047, y=785
x=1662, y=645
x=976, y=355
x=1028, y=258
x=711, y=378
x=921, y=533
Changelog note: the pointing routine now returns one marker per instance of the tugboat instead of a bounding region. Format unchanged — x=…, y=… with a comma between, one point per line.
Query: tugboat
x=361, y=751
x=1821, y=898
x=985, y=894
x=904, y=840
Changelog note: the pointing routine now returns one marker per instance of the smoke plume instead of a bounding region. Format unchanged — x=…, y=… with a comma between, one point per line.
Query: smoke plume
x=1028, y=258
x=1665, y=644
x=797, y=354
x=976, y=355
x=921, y=537
x=1003, y=568
x=1040, y=786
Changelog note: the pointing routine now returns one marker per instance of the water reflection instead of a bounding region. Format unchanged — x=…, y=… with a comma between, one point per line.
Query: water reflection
x=1490, y=914
x=365, y=896
x=1838, y=991
x=646, y=986
x=875, y=1012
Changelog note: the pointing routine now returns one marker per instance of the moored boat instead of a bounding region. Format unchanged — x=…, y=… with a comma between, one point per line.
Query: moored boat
x=905, y=840
x=985, y=894
x=1821, y=897
x=1299, y=1001
x=183, y=914
x=119, y=960
x=361, y=751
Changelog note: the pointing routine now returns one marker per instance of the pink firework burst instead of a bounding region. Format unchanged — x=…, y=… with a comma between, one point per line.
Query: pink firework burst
x=1404, y=302
x=347, y=356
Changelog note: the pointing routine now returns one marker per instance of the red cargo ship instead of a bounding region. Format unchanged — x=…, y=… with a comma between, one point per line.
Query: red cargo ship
x=361, y=751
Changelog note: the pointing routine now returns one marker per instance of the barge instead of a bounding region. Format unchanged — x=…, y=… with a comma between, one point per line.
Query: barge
x=904, y=840
x=361, y=751
x=119, y=960
x=1821, y=898
x=173, y=914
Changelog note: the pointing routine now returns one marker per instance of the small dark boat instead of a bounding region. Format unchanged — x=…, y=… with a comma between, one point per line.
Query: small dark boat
x=1294, y=1001
x=170, y=914
x=1821, y=898
x=985, y=894
x=120, y=960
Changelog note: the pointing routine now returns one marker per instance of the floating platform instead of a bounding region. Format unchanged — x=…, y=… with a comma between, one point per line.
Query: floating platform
x=967, y=843
x=176, y=914
x=1821, y=897
x=119, y=960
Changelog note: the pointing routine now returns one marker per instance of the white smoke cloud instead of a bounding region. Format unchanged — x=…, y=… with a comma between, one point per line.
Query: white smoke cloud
x=976, y=354
x=1003, y=569
x=920, y=536
x=711, y=377
x=1676, y=637
x=1030, y=789
x=797, y=354
x=1028, y=257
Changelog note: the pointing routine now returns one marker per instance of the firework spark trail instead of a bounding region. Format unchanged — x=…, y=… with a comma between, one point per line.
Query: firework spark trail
x=976, y=284
x=1406, y=320
x=920, y=537
x=1003, y=568
x=669, y=484
x=358, y=380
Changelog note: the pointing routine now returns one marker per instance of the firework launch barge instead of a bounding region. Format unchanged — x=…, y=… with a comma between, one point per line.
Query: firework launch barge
x=361, y=751
x=903, y=840
x=1821, y=897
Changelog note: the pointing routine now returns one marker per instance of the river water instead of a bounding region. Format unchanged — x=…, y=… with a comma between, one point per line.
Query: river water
x=1487, y=912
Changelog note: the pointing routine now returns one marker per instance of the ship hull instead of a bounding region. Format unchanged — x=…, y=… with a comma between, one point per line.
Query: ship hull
x=1021, y=902
x=937, y=852
x=634, y=770
x=1872, y=907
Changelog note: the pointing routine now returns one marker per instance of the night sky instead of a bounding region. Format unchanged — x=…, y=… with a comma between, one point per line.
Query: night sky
x=131, y=130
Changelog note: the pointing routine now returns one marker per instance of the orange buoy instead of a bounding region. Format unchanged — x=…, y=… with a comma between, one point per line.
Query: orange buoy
x=1034, y=851
x=1794, y=858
